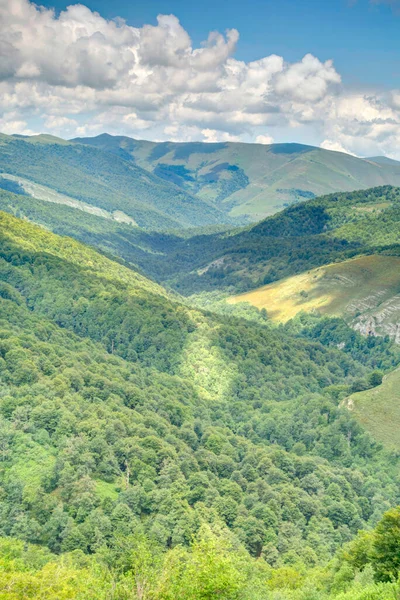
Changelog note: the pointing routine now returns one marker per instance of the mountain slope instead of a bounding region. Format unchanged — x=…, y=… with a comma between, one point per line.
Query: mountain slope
x=284, y=249
x=314, y=233
x=379, y=410
x=306, y=236
x=383, y=160
x=104, y=181
x=365, y=291
x=131, y=244
x=124, y=413
x=251, y=180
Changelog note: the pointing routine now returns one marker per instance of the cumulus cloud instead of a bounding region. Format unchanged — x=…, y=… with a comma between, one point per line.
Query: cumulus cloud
x=264, y=139
x=11, y=123
x=77, y=73
x=335, y=146
x=307, y=80
x=60, y=123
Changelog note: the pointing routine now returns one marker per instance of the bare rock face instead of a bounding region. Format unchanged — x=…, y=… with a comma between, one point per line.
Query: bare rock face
x=381, y=320
x=365, y=326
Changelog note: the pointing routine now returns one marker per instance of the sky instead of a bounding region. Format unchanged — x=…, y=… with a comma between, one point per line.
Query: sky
x=322, y=72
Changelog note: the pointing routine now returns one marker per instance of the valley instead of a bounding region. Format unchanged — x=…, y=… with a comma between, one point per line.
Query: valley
x=179, y=399
x=199, y=300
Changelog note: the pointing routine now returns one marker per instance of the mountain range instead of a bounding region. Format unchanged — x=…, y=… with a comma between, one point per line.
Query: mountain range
x=251, y=181
x=168, y=185
x=100, y=182
x=194, y=405
x=328, y=231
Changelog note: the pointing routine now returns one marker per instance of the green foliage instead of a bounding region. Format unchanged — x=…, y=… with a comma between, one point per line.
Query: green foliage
x=210, y=570
x=378, y=549
x=29, y=572
x=304, y=236
x=105, y=181
x=375, y=378
x=185, y=410
x=214, y=565
x=386, y=547
x=161, y=451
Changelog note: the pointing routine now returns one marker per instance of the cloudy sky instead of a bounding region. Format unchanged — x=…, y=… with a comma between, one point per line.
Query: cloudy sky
x=324, y=72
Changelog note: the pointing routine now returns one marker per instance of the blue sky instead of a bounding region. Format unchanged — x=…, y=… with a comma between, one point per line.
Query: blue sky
x=321, y=72
x=361, y=37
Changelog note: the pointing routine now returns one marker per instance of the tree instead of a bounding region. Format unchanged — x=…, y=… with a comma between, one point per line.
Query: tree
x=375, y=378
x=386, y=547
x=212, y=569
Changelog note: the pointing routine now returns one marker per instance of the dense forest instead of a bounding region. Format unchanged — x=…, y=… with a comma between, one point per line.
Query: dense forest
x=152, y=450
x=328, y=229
x=306, y=235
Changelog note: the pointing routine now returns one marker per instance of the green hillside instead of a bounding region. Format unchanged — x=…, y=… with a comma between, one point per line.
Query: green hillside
x=101, y=180
x=318, y=232
x=25, y=187
x=378, y=410
x=125, y=413
x=113, y=237
x=251, y=180
x=364, y=291
x=146, y=445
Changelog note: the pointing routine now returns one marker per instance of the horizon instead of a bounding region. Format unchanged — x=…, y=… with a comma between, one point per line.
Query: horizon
x=139, y=139
x=325, y=74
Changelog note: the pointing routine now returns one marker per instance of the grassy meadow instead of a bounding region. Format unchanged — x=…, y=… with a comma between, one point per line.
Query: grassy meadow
x=339, y=289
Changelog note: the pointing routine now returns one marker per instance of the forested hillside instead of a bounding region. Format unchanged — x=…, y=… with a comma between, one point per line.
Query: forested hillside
x=252, y=180
x=102, y=181
x=336, y=254
x=317, y=232
x=328, y=229
x=153, y=450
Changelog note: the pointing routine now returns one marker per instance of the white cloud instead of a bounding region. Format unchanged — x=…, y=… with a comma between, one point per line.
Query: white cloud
x=212, y=135
x=77, y=73
x=335, y=146
x=264, y=139
x=10, y=123
x=59, y=123
x=307, y=80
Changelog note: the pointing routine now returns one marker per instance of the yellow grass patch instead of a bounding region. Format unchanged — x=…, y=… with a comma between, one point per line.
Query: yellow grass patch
x=377, y=206
x=348, y=288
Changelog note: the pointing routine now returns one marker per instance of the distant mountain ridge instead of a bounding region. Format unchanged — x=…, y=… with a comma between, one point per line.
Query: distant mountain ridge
x=251, y=181
x=105, y=181
x=169, y=185
x=383, y=160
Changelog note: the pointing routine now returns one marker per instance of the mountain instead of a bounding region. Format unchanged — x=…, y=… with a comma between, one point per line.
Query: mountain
x=251, y=181
x=116, y=238
x=337, y=254
x=328, y=229
x=88, y=179
x=383, y=160
x=364, y=291
x=141, y=436
x=175, y=186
